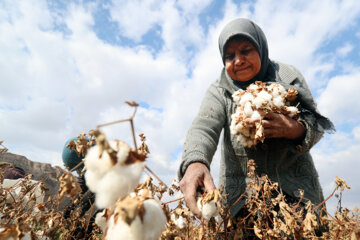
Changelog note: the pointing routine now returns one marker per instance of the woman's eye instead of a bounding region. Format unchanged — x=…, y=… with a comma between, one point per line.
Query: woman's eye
x=246, y=51
x=229, y=56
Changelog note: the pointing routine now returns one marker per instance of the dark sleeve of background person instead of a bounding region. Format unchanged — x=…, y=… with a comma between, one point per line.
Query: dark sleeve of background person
x=14, y=173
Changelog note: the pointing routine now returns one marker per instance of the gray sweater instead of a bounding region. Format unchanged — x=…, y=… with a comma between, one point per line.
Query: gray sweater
x=280, y=159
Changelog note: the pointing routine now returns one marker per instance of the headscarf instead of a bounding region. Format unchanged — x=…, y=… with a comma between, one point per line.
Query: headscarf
x=246, y=29
x=70, y=157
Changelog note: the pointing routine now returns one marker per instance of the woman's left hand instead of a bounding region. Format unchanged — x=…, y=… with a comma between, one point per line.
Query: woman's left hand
x=280, y=126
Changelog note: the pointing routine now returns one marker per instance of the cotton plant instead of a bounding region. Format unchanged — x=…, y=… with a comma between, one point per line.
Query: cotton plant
x=259, y=96
x=27, y=191
x=136, y=218
x=209, y=204
x=113, y=170
x=178, y=220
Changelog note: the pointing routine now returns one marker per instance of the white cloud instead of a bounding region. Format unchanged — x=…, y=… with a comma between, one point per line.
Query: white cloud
x=336, y=155
x=338, y=99
x=345, y=49
x=136, y=18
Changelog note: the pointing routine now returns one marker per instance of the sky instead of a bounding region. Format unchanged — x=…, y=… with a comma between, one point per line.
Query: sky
x=67, y=66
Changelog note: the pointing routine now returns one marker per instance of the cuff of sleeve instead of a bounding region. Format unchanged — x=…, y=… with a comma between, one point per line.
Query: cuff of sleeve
x=305, y=144
x=184, y=165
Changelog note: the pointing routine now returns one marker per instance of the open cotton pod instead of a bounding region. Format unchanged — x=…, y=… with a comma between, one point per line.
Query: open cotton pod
x=112, y=171
x=209, y=204
x=136, y=219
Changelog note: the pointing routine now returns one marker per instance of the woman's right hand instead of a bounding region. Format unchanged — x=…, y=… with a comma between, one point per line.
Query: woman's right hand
x=196, y=175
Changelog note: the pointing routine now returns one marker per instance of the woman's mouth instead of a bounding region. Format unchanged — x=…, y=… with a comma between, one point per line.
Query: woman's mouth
x=241, y=69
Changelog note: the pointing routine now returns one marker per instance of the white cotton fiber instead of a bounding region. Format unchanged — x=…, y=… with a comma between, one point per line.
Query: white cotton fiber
x=258, y=96
x=293, y=111
x=110, y=182
x=278, y=101
x=149, y=227
x=209, y=209
x=246, y=98
x=179, y=221
x=255, y=116
x=100, y=220
x=248, y=109
x=117, y=183
x=121, y=230
x=154, y=220
x=237, y=95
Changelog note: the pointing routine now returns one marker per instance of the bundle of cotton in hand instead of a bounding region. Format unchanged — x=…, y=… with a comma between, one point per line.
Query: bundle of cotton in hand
x=136, y=218
x=259, y=96
x=209, y=204
x=113, y=170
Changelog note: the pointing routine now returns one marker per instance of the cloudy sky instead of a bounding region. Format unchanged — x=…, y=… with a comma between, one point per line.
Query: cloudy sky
x=66, y=66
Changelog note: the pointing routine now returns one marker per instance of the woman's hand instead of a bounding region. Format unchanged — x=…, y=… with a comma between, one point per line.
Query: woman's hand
x=196, y=175
x=280, y=126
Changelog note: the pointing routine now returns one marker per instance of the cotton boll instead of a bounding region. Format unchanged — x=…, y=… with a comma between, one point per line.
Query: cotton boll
x=258, y=96
x=179, y=221
x=233, y=129
x=263, y=98
x=237, y=95
x=209, y=209
x=265, y=95
x=93, y=160
x=100, y=220
x=277, y=90
x=123, y=151
x=121, y=230
x=92, y=179
x=259, y=102
x=117, y=183
x=99, y=165
x=248, y=109
x=108, y=181
x=282, y=90
x=278, y=101
x=154, y=220
x=255, y=116
x=253, y=87
x=293, y=111
x=247, y=97
x=245, y=131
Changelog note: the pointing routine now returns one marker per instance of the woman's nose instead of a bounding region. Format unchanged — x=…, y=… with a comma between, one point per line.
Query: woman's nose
x=239, y=59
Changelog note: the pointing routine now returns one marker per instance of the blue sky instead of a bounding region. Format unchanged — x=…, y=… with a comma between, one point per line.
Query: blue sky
x=66, y=66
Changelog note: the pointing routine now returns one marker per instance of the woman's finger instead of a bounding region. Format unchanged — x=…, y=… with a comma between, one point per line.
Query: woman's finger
x=190, y=200
x=209, y=183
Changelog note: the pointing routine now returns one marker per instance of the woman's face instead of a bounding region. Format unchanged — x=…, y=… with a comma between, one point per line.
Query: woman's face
x=242, y=60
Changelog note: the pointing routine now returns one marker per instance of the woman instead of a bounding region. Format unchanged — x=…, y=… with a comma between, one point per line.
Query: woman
x=283, y=156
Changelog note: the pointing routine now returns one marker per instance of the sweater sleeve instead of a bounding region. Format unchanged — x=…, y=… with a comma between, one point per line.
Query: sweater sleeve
x=203, y=137
x=314, y=131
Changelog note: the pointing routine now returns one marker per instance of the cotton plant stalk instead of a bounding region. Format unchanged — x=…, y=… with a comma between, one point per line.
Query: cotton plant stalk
x=259, y=96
